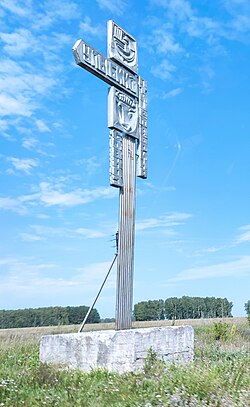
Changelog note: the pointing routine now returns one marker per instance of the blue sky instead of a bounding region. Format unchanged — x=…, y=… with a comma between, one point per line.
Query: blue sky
x=58, y=213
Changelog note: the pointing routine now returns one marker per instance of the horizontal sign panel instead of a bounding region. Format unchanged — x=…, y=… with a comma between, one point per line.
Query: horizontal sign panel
x=104, y=68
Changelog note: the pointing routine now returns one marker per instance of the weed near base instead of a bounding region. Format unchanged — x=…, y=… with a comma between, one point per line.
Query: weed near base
x=218, y=377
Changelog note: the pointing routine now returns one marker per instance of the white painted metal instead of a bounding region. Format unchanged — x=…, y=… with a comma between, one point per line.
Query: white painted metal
x=122, y=112
x=125, y=261
x=142, y=151
x=116, y=158
x=106, y=69
x=127, y=120
x=122, y=47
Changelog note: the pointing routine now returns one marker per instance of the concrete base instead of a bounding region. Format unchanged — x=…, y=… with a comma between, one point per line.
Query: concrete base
x=117, y=351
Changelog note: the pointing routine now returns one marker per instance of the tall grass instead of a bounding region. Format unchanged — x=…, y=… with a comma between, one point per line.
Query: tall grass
x=219, y=376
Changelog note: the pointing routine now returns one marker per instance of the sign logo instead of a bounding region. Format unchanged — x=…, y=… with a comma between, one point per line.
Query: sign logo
x=122, y=47
x=123, y=112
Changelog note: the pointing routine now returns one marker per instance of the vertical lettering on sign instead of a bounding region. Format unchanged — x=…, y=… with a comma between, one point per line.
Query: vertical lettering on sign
x=116, y=158
x=142, y=150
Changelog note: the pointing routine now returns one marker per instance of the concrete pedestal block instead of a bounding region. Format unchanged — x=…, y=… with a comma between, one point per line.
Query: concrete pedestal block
x=117, y=351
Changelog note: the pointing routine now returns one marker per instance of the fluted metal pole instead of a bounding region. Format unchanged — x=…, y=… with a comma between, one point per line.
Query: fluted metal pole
x=125, y=262
x=127, y=120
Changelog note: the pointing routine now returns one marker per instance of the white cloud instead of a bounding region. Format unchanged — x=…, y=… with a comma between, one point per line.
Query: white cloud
x=87, y=27
x=3, y=125
x=7, y=261
x=203, y=27
x=237, y=268
x=183, y=16
x=23, y=84
x=180, y=8
x=53, y=195
x=29, y=282
x=23, y=164
x=12, y=204
x=158, y=188
x=94, y=272
x=28, y=237
x=241, y=23
x=42, y=127
x=166, y=221
x=7, y=136
x=245, y=235
x=8, y=66
x=62, y=9
x=164, y=70
x=18, y=42
x=237, y=7
x=20, y=85
x=90, y=164
x=14, y=264
x=163, y=42
x=30, y=143
x=90, y=233
x=114, y=6
x=50, y=11
x=19, y=105
x=18, y=7
x=172, y=93
x=33, y=144
x=40, y=232
x=173, y=39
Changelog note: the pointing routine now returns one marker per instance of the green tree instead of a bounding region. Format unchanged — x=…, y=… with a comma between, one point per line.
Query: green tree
x=151, y=310
x=140, y=311
x=171, y=308
x=46, y=316
x=247, y=309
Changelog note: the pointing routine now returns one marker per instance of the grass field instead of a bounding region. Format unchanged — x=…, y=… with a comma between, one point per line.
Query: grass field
x=219, y=375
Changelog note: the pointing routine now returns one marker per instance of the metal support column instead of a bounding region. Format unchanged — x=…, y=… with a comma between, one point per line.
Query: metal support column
x=127, y=120
x=125, y=263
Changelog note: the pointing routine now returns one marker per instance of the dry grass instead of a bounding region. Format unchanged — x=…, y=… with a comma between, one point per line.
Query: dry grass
x=34, y=334
x=218, y=377
x=192, y=322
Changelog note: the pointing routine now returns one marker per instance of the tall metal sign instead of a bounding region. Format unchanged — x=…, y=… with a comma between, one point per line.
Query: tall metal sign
x=127, y=120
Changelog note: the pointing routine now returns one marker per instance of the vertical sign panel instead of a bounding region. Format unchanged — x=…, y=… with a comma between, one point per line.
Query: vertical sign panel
x=142, y=151
x=116, y=158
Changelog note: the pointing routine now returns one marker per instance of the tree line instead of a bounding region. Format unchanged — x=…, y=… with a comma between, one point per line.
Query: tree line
x=247, y=309
x=183, y=308
x=47, y=316
x=172, y=308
